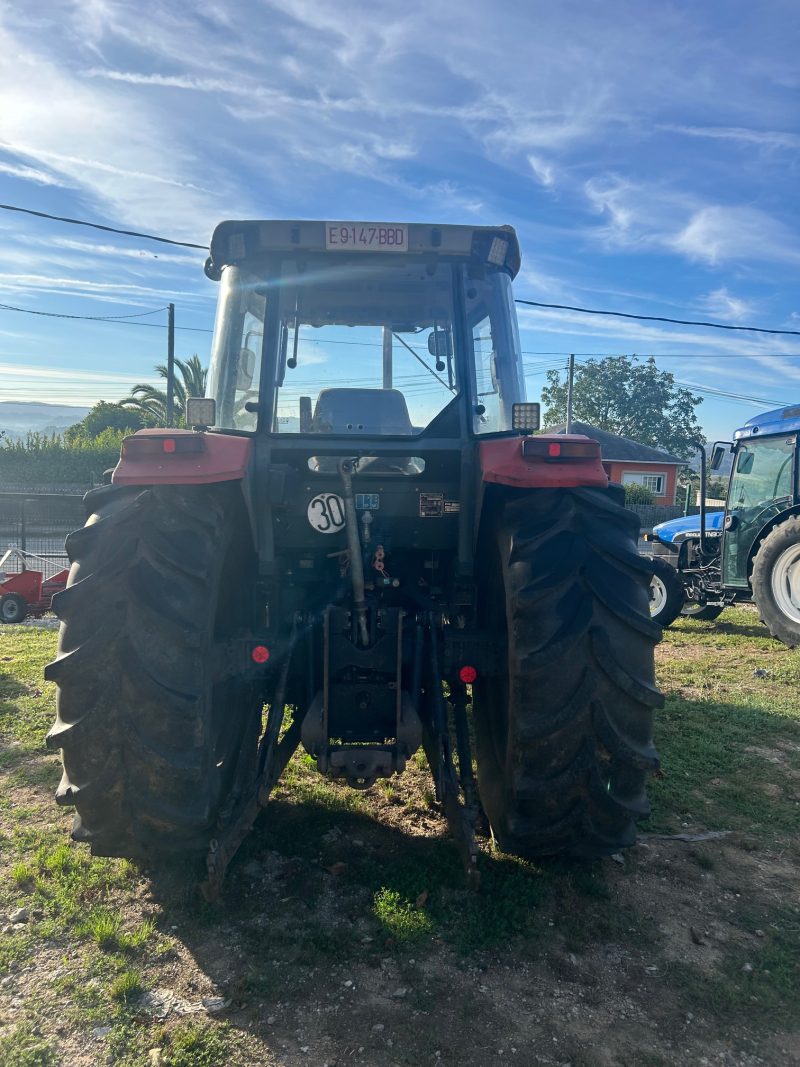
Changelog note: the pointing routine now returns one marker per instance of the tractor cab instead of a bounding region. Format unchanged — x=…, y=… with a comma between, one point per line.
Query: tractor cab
x=359, y=331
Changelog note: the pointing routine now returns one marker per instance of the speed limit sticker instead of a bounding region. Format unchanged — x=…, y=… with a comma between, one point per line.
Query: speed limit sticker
x=326, y=513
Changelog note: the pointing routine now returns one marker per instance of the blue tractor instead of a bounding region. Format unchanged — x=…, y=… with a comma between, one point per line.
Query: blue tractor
x=749, y=552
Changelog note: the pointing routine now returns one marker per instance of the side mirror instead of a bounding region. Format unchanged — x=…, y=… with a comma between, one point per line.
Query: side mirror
x=201, y=411
x=718, y=455
x=440, y=345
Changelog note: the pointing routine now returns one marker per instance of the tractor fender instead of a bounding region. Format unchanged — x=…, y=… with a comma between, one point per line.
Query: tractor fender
x=181, y=457
x=187, y=457
x=503, y=461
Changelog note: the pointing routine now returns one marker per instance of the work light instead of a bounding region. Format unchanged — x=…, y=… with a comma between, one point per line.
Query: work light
x=525, y=417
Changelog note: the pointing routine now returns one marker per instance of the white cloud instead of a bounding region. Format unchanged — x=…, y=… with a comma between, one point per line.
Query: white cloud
x=739, y=135
x=30, y=174
x=193, y=262
x=723, y=305
x=543, y=172
x=719, y=233
x=89, y=287
x=55, y=374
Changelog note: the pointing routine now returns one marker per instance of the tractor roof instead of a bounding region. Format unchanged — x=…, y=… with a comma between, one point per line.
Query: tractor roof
x=777, y=421
x=235, y=241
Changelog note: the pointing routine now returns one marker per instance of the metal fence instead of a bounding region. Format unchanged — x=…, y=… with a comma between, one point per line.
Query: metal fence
x=39, y=522
x=651, y=515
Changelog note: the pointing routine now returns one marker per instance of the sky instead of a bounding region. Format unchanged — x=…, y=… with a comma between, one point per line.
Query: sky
x=647, y=154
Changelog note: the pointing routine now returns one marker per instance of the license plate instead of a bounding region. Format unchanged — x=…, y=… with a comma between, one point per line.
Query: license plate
x=365, y=237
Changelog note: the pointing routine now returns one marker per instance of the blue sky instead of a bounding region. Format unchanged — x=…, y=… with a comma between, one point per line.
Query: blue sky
x=647, y=154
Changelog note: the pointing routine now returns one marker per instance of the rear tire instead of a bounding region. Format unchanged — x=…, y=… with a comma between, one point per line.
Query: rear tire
x=156, y=748
x=666, y=592
x=776, y=581
x=563, y=733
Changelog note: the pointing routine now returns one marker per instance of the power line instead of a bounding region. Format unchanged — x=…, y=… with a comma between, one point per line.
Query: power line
x=106, y=229
x=91, y=318
x=529, y=303
x=120, y=320
x=721, y=393
x=658, y=318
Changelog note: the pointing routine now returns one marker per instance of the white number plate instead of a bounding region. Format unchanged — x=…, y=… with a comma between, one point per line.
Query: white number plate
x=326, y=513
x=365, y=237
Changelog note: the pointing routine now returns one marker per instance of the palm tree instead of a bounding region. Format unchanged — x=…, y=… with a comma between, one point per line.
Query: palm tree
x=151, y=403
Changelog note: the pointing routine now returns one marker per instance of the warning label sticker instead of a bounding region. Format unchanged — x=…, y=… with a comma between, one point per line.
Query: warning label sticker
x=431, y=505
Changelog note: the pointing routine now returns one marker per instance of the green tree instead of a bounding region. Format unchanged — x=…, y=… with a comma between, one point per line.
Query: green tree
x=151, y=403
x=630, y=398
x=105, y=416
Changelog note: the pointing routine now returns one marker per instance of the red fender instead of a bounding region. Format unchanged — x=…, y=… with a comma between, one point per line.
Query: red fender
x=181, y=457
x=511, y=461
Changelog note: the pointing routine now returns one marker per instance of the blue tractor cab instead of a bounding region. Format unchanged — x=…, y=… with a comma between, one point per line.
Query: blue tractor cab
x=749, y=552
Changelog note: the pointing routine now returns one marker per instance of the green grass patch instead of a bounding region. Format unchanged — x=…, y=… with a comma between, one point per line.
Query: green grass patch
x=729, y=737
x=25, y=1047
x=197, y=1045
x=400, y=918
x=126, y=986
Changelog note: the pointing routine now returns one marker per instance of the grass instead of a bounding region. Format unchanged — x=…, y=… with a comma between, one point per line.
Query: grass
x=355, y=879
x=126, y=986
x=729, y=739
x=24, y=1046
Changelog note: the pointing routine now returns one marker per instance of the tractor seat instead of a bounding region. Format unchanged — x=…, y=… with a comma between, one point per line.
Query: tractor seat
x=362, y=411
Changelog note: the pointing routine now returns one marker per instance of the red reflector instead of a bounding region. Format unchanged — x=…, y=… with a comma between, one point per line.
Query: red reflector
x=467, y=675
x=260, y=654
x=566, y=450
x=146, y=445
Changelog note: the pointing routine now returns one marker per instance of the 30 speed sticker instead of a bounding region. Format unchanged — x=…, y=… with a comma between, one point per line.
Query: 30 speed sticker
x=326, y=513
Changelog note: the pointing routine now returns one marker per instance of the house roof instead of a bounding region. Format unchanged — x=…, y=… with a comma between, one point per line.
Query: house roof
x=620, y=449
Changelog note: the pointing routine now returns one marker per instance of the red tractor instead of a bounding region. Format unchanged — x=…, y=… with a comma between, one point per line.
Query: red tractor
x=360, y=526
x=27, y=592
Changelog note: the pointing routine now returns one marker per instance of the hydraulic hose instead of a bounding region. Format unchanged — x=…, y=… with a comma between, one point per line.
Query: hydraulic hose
x=346, y=467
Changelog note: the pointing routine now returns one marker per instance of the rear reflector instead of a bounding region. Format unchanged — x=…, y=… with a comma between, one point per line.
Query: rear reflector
x=559, y=451
x=148, y=445
x=259, y=654
x=467, y=675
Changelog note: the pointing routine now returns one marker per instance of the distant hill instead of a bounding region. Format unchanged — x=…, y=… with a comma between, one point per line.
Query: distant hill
x=18, y=417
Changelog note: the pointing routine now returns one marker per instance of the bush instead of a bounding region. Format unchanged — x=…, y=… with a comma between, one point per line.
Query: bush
x=637, y=494
x=40, y=459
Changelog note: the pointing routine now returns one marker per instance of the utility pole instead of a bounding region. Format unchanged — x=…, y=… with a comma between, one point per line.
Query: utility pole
x=170, y=363
x=571, y=373
x=387, y=357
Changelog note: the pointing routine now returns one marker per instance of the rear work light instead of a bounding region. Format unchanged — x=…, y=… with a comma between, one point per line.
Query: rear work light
x=525, y=417
x=150, y=445
x=550, y=451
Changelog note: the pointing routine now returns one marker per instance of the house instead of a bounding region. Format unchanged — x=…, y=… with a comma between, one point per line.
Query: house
x=629, y=462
